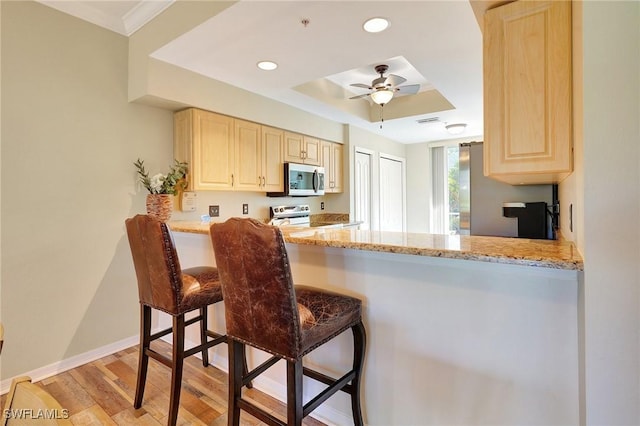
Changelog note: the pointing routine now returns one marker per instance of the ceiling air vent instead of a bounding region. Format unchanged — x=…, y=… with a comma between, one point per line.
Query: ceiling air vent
x=428, y=120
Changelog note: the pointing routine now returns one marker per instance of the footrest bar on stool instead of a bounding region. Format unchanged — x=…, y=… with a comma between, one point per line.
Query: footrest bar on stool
x=259, y=414
x=158, y=357
x=160, y=334
x=337, y=385
x=207, y=345
x=192, y=320
x=259, y=370
x=348, y=388
x=215, y=335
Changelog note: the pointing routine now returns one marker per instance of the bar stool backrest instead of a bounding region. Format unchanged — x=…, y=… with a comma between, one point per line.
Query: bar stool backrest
x=257, y=287
x=156, y=263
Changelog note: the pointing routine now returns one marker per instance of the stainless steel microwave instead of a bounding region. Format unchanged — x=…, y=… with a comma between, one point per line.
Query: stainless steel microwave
x=301, y=180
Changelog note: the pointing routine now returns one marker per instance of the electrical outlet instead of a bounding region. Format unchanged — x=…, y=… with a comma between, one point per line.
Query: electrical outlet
x=214, y=211
x=245, y=209
x=321, y=205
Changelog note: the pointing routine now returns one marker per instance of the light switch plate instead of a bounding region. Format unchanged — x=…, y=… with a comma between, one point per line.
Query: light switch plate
x=214, y=211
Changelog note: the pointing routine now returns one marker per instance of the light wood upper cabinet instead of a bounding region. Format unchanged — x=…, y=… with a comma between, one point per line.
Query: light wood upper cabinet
x=527, y=92
x=311, y=150
x=206, y=141
x=301, y=149
x=248, y=158
x=272, y=159
x=332, y=163
x=225, y=153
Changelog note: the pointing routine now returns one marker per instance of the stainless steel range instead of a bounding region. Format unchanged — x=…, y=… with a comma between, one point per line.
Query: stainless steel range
x=296, y=215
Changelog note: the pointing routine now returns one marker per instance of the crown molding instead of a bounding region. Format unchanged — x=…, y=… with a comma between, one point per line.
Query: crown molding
x=127, y=24
x=142, y=13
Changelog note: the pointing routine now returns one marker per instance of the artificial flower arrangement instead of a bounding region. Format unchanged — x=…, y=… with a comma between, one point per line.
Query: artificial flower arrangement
x=171, y=183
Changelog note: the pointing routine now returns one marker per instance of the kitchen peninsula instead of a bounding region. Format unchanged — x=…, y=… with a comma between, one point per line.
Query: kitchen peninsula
x=461, y=329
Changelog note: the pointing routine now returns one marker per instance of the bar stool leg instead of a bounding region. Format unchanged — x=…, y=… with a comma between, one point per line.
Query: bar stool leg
x=203, y=335
x=294, y=393
x=236, y=368
x=176, y=368
x=143, y=357
x=359, y=345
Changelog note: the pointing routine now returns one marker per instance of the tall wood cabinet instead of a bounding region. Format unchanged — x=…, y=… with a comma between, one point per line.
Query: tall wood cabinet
x=332, y=163
x=527, y=92
x=225, y=153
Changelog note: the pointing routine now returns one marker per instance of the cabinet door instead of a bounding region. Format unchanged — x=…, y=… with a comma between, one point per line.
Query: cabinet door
x=336, y=166
x=248, y=165
x=213, y=152
x=327, y=163
x=293, y=147
x=272, y=155
x=311, y=153
x=332, y=163
x=182, y=141
x=527, y=91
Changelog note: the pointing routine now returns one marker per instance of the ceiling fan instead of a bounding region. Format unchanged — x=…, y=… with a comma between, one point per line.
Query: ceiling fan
x=384, y=88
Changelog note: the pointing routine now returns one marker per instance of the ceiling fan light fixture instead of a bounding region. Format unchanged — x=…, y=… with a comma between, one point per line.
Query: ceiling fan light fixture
x=267, y=65
x=382, y=96
x=376, y=25
x=456, y=129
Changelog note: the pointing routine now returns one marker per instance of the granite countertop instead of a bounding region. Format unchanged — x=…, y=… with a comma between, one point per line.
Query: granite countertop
x=555, y=254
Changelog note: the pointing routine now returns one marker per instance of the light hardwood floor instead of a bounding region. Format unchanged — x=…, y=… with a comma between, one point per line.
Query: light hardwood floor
x=101, y=393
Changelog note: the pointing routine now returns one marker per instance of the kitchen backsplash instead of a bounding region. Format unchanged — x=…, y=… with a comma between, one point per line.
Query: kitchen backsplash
x=231, y=204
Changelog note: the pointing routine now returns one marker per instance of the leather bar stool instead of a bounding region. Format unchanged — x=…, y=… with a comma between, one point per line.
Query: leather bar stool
x=162, y=285
x=265, y=310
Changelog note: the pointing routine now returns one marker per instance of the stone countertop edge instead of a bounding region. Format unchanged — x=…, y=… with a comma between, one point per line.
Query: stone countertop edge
x=553, y=254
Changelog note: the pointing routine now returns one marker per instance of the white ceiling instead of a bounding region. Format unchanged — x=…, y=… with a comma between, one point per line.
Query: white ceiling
x=437, y=44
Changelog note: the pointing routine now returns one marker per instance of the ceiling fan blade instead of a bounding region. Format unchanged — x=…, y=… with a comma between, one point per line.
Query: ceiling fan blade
x=394, y=80
x=409, y=89
x=364, y=86
x=359, y=96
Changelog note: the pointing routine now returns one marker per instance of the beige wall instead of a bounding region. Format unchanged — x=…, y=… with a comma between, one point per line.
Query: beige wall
x=69, y=138
x=611, y=190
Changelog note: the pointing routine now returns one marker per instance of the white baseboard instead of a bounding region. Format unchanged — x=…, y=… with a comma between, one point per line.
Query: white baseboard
x=73, y=362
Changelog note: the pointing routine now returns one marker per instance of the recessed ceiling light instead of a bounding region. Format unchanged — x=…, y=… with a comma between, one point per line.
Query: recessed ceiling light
x=375, y=25
x=267, y=65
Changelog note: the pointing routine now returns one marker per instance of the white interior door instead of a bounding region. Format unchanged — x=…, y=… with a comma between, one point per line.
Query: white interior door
x=362, y=177
x=392, y=193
